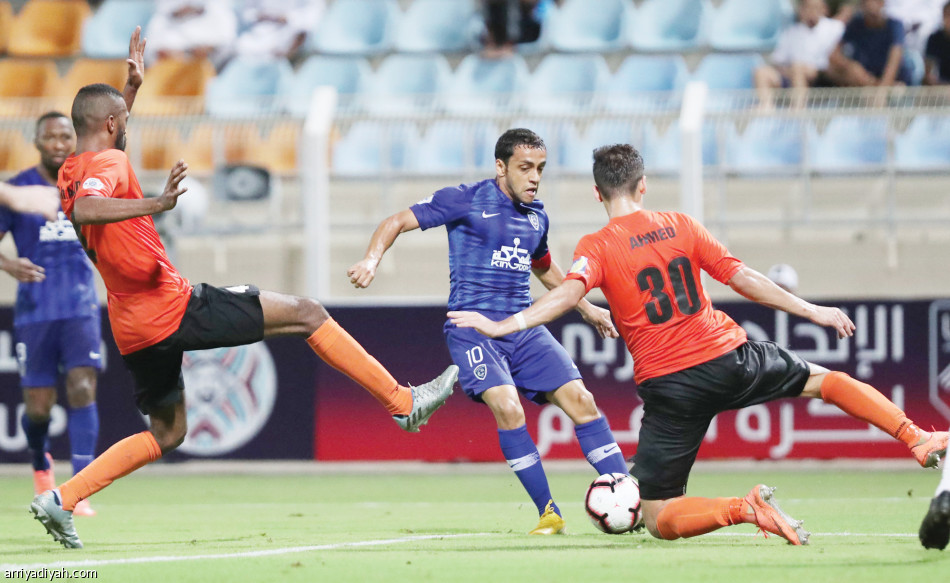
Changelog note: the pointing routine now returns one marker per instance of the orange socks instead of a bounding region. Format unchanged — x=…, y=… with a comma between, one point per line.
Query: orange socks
x=863, y=401
x=686, y=517
x=341, y=351
x=121, y=459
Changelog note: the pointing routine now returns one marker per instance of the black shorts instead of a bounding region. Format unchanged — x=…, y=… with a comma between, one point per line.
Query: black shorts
x=678, y=407
x=215, y=317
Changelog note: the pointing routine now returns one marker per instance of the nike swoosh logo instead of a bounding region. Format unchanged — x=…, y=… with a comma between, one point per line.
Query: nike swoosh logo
x=94, y=355
x=488, y=216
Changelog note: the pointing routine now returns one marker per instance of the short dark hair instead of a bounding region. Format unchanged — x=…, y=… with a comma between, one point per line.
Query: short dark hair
x=86, y=100
x=49, y=115
x=511, y=139
x=617, y=167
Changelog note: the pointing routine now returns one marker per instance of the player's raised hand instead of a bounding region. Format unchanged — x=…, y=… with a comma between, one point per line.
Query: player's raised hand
x=362, y=272
x=599, y=318
x=480, y=323
x=173, y=188
x=136, y=58
x=22, y=269
x=833, y=318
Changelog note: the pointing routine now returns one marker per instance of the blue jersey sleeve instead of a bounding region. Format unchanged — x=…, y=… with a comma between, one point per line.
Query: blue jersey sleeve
x=896, y=28
x=444, y=206
x=6, y=220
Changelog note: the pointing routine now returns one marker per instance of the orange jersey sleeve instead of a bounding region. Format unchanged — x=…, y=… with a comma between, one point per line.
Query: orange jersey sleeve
x=147, y=296
x=649, y=268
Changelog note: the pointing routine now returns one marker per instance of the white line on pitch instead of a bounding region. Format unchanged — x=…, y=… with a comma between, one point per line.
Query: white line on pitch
x=855, y=534
x=241, y=555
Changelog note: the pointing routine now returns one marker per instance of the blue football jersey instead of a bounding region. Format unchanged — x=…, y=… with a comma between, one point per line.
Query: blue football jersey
x=68, y=290
x=492, y=241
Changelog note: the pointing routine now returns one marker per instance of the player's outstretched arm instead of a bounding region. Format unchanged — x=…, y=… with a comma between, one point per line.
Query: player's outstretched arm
x=550, y=306
x=40, y=200
x=363, y=272
x=552, y=276
x=99, y=210
x=136, y=63
x=752, y=285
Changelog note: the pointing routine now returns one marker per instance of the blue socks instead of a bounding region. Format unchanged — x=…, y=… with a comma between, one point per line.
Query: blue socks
x=598, y=444
x=83, y=434
x=37, y=439
x=522, y=457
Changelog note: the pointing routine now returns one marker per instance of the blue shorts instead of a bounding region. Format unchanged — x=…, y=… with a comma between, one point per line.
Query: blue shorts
x=531, y=360
x=45, y=350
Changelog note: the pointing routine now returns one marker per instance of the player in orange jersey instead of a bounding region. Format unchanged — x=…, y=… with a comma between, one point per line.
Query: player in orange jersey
x=156, y=314
x=691, y=361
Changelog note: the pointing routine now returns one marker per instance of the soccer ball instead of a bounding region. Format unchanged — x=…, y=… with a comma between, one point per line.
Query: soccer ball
x=613, y=503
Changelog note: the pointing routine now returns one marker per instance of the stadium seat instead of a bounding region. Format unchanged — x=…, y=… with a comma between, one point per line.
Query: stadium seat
x=17, y=151
x=557, y=136
x=669, y=25
x=437, y=26
x=924, y=146
x=349, y=75
x=662, y=151
x=486, y=85
x=249, y=86
x=357, y=27
x=767, y=146
x=724, y=74
x=547, y=11
x=84, y=72
x=6, y=23
x=590, y=25
x=452, y=147
x=371, y=149
x=405, y=82
x=849, y=144
x=564, y=84
x=155, y=147
x=48, y=28
x=26, y=78
x=748, y=25
x=105, y=35
x=174, y=87
x=577, y=154
x=647, y=82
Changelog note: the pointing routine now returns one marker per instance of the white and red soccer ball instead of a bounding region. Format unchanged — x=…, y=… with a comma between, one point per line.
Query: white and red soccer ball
x=613, y=503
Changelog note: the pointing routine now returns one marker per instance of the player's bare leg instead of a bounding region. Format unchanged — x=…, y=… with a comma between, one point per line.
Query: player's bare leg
x=83, y=423
x=592, y=431
x=862, y=401
x=410, y=407
x=38, y=404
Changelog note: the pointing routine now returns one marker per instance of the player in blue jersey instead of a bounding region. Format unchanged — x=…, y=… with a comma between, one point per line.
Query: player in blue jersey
x=498, y=235
x=56, y=318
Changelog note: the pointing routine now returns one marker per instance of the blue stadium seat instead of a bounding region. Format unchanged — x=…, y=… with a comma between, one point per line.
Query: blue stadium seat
x=371, y=148
x=577, y=154
x=486, y=85
x=669, y=25
x=850, y=144
x=547, y=10
x=357, y=27
x=452, y=147
x=349, y=75
x=748, y=25
x=249, y=86
x=405, y=82
x=437, y=26
x=925, y=145
x=105, y=35
x=662, y=152
x=726, y=73
x=563, y=84
x=768, y=145
x=590, y=25
x=556, y=135
x=647, y=82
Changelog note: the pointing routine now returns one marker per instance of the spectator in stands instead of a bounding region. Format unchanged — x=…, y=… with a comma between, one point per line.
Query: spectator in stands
x=920, y=19
x=192, y=28
x=508, y=22
x=841, y=10
x=937, y=55
x=276, y=28
x=801, y=54
x=871, y=51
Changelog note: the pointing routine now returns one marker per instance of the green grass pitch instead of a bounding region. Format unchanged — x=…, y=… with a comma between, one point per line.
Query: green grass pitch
x=467, y=523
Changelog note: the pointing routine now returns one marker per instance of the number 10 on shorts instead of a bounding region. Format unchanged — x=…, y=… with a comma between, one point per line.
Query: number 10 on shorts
x=474, y=355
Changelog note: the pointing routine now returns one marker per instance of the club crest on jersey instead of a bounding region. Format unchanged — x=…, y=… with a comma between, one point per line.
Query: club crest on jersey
x=93, y=184
x=534, y=220
x=511, y=257
x=579, y=266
